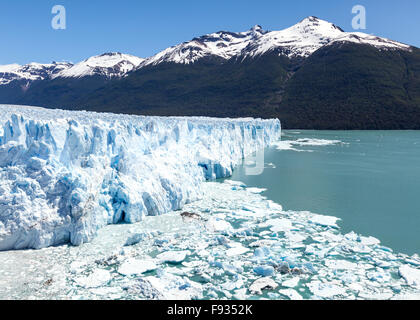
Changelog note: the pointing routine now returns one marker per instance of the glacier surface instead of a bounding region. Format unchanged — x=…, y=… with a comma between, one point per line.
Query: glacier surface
x=65, y=174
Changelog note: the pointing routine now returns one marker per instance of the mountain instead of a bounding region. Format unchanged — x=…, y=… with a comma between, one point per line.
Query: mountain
x=311, y=75
x=107, y=65
x=66, y=81
x=300, y=40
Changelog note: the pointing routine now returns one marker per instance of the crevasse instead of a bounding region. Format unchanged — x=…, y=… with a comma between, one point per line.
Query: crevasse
x=65, y=174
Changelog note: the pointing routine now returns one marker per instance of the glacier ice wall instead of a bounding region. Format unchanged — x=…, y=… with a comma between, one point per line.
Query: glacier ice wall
x=65, y=174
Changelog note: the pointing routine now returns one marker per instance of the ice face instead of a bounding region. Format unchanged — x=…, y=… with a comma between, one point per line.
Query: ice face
x=64, y=175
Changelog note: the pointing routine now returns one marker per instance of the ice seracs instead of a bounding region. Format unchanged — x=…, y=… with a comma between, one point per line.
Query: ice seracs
x=64, y=174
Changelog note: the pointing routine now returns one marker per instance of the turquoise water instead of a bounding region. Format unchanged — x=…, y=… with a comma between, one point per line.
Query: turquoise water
x=369, y=179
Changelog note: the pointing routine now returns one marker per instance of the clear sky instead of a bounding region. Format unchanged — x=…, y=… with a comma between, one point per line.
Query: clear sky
x=144, y=28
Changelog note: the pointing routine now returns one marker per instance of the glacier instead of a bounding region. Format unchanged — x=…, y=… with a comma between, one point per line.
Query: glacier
x=66, y=174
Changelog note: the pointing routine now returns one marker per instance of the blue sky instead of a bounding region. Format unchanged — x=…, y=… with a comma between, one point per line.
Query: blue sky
x=143, y=28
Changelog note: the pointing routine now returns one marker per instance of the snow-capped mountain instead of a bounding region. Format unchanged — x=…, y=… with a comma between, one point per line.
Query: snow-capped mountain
x=312, y=75
x=222, y=44
x=30, y=72
x=114, y=64
x=108, y=65
x=300, y=40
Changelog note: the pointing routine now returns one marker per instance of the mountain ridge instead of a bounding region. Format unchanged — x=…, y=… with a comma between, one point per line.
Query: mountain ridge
x=302, y=35
x=308, y=75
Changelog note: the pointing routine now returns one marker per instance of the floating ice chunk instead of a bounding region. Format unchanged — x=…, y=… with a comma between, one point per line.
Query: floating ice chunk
x=352, y=236
x=222, y=240
x=279, y=225
x=295, y=237
x=136, y=238
x=325, y=290
x=316, y=142
x=354, y=286
x=235, y=183
x=231, y=285
x=322, y=220
x=330, y=236
x=232, y=269
x=260, y=284
x=368, y=241
x=274, y=206
x=256, y=190
x=236, y=250
x=143, y=288
x=378, y=276
x=341, y=264
x=218, y=225
x=76, y=266
x=291, y=294
x=173, y=256
x=98, y=278
x=262, y=253
x=262, y=243
x=411, y=275
x=291, y=283
x=285, y=145
x=414, y=261
x=135, y=266
x=383, y=264
x=109, y=292
x=358, y=248
x=376, y=295
x=240, y=294
x=407, y=296
x=173, y=287
x=265, y=271
x=348, y=277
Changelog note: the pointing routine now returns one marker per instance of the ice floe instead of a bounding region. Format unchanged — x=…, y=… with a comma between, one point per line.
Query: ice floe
x=293, y=145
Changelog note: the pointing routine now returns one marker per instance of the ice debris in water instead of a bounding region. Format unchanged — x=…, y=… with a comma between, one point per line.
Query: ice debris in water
x=261, y=284
x=239, y=257
x=411, y=275
x=98, y=278
x=173, y=256
x=65, y=174
x=265, y=271
x=136, y=266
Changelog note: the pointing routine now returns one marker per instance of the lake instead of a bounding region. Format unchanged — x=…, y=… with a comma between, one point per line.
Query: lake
x=369, y=179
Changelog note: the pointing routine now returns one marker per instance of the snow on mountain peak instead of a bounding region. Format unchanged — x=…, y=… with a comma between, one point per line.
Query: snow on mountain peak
x=302, y=39
x=30, y=72
x=257, y=30
x=299, y=40
x=111, y=64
